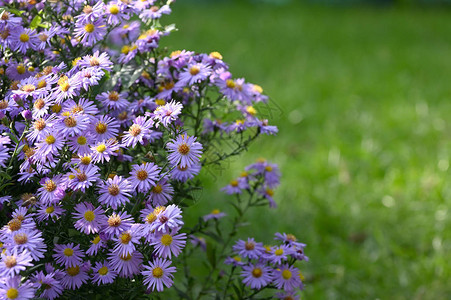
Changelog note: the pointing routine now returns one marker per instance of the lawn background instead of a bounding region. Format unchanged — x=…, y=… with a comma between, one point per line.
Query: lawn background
x=361, y=95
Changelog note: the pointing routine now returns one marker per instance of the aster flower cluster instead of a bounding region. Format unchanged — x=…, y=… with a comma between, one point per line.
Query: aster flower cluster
x=263, y=266
x=102, y=136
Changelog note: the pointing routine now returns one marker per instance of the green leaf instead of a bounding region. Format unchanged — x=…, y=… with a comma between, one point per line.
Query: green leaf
x=35, y=22
x=16, y=11
x=211, y=254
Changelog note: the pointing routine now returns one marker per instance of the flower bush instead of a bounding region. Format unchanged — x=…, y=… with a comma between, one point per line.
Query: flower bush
x=103, y=134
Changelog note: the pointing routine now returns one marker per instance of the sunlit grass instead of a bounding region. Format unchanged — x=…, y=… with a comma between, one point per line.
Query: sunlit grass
x=362, y=100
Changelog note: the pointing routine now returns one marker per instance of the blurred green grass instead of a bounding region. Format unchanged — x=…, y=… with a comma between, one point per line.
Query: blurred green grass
x=361, y=96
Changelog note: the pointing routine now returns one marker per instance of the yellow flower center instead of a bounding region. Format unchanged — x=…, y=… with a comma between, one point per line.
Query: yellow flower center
x=215, y=55
x=50, y=186
x=257, y=272
x=150, y=218
x=125, y=49
x=286, y=274
x=249, y=246
x=50, y=139
x=215, y=211
x=20, y=69
x=89, y=216
x=49, y=209
x=68, y=252
x=160, y=102
x=101, y=128
x=21, y=238
x=114, y=221
x=269, y=192
x=126, y=257
x=230, y=83
x=268, y=168
x=89, y=28
x=114, y=9
x=278, y=252
x=134, y=130
x=12, y=293
x=157, y=272
x=14, y=224
x=70, y=122
x=141, y=175
x=113, y=190
x=28, y=88
x=24, y=37
x=103, y=271
x=157, y=189
x=85, y=160
x=96, y=240
x=113, y=96
x=101, y=148
x=234, y=183
x=251, y=110
x=81, y=140
x=73, y=271
x=126, y=238
x=237, y=258
x=194, y=70
x=166, y=239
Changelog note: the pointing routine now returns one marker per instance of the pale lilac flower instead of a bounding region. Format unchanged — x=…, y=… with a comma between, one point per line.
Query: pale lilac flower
x=235, y=261
x=12, y=288
x=215, y=214
x=68, y=255
x=25, y=39
x=256, y=276
x=114, y=100
x=27, y=239
x=89, y=218
x=81, y=179
x=90, y=32
x=125, y=242
x=167, y=244
x=167, y=113
x=50, y=192
x=72, y=125
x=236, y=186
x=115, y=192
x=75, y=276
x=194, y=73
x=250, y=248
x=49, y=211
x=126, y=265
x=102, y=273
x=117, y=223
x=139, y=131
x=50, y=287
x=13, y=262
x=184, y=173
x=97, y=60
x=144, y=176
x=184, y=151
x=103, y=150
x=96, y=244
x=105, y=128
x=287, y=277
x=278, y=254
x=168, y=219
x=161, y=193
x=158, y=274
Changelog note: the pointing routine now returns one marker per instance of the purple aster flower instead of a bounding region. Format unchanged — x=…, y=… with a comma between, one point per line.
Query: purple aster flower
x=184, y=151
x=149, y=216
x=235, y=89
x=167, y=244
x=89, y=218
x=155, y=12
x=184, y=173
x=115, y=192
x=79, y=144
x=83, y=106
x=198, y=242
x=158, y=274
x=256, y=276
x=90, y=13
x=49, y=146
x=292, y=295
x=68, y=255
x=103, y=150
x=90, y=32
x=72, y=125
x=167, y=113
x=288, y=239
x=102, y=273
x=168, y=219
x=81, y=179
x=265, y=128
x=41, y=128
x=96, y=60
x=12, y=262
x=144, y=176
x=236, y=186
x=90, y=77
x=287, y=277
x=11, y=288
x=45, y=36
x=250, y=248
x=139, y=131
x=25, y=39
x=125, y=242
x=126, y=265
x=161, y=193
x=50, y=287
x=49, y=211
x=234, y=261
x=116, y=12
x=105, y=128
x=96, y=244
x=75, y=276
x=194, y=73
x=117, y=223
x=267, y=193
x=215, y=214
x=114, y=100
x=67, y=88
x=278, y=254
x=27, y=239
x=50, y=192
